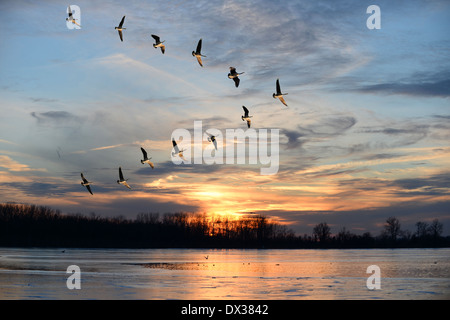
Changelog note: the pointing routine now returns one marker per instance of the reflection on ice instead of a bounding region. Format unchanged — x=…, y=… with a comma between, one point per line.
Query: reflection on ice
x=226, y=274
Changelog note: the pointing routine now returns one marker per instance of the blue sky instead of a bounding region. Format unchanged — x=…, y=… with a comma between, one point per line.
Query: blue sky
x=365, y=135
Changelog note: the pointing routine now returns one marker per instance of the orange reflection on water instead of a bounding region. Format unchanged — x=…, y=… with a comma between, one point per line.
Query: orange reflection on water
x=241, y=277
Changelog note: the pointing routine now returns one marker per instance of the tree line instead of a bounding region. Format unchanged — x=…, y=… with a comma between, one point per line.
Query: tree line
x=40, y=226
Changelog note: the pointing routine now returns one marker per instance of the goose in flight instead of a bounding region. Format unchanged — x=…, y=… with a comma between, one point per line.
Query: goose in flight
x=197, y=53
x=279, y=95
x=212, y=139
x=86, y=184
x=71, y=18
x=246, y=117
x=146, y=159
x=122, y=180
x=234, y=75
x=158, y=43
x=177, y=152
x=120, y=28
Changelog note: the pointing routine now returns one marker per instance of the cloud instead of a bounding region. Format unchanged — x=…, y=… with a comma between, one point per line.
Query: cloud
x=402, y=134
x=328, y=127
x=433, y=185
x=7, y=142
x=43, y=100
x=426, y=85
x=293, y=138
x=370, y=220
x=55, y=117
x=12, y=165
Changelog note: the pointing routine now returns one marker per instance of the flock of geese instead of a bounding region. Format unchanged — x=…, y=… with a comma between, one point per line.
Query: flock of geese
x=233, y=74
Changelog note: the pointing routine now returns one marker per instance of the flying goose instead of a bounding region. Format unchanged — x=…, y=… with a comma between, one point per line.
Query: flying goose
x=197, y=53
x=71, y=18
x=212, y=139
x=120, y=28
x=177, y=152
x=86, y=184
x=246, y=117
x=158, y=43
x=234, y=75
x=122, y=180
x=146, y=159
x=279, y=95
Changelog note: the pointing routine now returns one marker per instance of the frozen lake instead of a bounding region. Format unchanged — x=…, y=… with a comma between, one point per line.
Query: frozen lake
x=186, y=274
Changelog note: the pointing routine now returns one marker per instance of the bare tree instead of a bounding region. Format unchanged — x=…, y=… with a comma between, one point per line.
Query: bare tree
x=421, y=229
x=321, y=232
x=392, y=228
x=344, y=235
x=436, y=228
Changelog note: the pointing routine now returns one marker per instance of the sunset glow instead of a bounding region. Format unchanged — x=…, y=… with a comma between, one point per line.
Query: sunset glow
x=365, y=135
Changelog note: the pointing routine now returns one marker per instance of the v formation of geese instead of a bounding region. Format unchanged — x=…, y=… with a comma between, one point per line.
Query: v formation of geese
x=233, y=74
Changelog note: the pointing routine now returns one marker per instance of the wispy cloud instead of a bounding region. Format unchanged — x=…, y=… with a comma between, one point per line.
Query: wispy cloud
x=432, y=85
x=55, y=117
x=12, y=165
x=7, y=142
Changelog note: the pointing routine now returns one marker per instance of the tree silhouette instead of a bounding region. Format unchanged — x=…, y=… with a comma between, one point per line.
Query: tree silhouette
x=321, y=232
x=392, y=228
x=421, y=229
x=435, y=229
x=38, y=226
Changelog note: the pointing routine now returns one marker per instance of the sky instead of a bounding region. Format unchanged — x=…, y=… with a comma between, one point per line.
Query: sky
x=365, y=135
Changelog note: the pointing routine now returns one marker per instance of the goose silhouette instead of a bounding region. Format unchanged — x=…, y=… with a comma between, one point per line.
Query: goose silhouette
x=158, y=43
x=235, y=76
x=279, y=95
x=121, y=180
x=146, y=158
x=246, y=117
x=120, y=28
x=197, y=53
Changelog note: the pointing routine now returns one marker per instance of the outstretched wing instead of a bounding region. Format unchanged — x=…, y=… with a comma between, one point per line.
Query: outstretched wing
x=245, y=111
x=233, y=71
x=120, y=174
x=121, y=22
x=126, y=185
x=83, y=178
x=155, y=37
x=89, y=189
x=120, y=35
x=163, y=49
x=236, y=81
x=144, y=153
x=151, y=165
x=175, y=147
x=278, y=87
x=282, y=101
x=70, y=12
x=199, y=47
x=249, y=122
x=199, y=59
